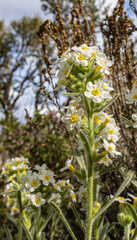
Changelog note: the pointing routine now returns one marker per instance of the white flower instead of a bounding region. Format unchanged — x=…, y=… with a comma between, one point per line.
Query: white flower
x=96, y=175
x=96, y=91
x=111, y=132
x=121, y=199
x=73, y=118
x=57, y=187
x=64, y=71
x=65, y=56
x=32, y=182
x=107, y=88
x=132, y=96
x=106, y=161
x=67, y=165
x=25, y=180
x=14, y=209
x=134, y=117
x=82, y=193
x=55, y=197
x=88, y=51
x=37, y=199
x=47, y=176
x=40, y=168
x=72, y=195
x=110, y=147
x=80, y=59
x=102, y=61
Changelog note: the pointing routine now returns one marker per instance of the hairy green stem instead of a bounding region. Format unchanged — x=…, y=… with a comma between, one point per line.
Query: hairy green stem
x=127, y=231
x=20, y=215
x=89, y=220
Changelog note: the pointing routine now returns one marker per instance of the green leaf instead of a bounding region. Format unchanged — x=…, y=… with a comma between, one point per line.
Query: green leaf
x=109, y=170
x=8, y=233
x=120, y=189
x=71, y=94
x=103, y=232
x=86, y=144
x=127, y=121
x=58, y=210
x=79, y=220
x=132, y=212
x=101, y=108
x=80, y=159
x=44, y=222
x=27, y=231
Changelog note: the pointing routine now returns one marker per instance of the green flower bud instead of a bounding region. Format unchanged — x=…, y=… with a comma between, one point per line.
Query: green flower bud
x=124, y=219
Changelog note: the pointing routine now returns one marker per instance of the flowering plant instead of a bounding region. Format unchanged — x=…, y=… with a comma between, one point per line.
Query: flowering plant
x=82, y=71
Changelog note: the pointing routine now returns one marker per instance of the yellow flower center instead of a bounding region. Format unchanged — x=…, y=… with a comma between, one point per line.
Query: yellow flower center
x=71, y=168
x=132, y=231
x=94, y=54
x=101, y=63
x=23, y=162
x=74, y=118
x=34, y=184
x=37, y=200
x=120, y=198
x=18, y=171
x=15, y=209
x=95, y=92
x=83, y=193
x=63, y=182
x=70, y=75
x=135, y=96
x=136, y=82
x=55, y=186
x=96, y=145
x=84, y=48
x=62, y=54
x=66, y=71
x=110, y=148
x=17, y=162
x=105, y=159
x=96, y=119
x=47, y=177
x=54, y=197
x=7, y=165
x=98, y=68
x=111, y=131
x=106, y=121
x=73, y=195
x=81, y=57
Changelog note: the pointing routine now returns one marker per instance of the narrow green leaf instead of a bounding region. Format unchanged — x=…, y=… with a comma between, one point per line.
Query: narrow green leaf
x=109, y=170
x=8, y=233
x=101, y=108
x=71, y=94
x=81, y=223
x=120, y=189
x=103, y=232
x=132, y=211
x=58, y=210
x=45, y=221
x=86, y=144
x=80, y=159
x=127, y=121
x=27, y=231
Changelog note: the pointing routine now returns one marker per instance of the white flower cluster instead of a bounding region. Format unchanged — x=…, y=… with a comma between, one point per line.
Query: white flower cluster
x=91, y=60
x=132, y=98
x=14, y=169
x=15, y=165
x=42, y=186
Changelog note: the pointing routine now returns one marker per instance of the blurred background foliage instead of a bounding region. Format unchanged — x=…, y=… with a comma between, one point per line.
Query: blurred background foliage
x=29, y=50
